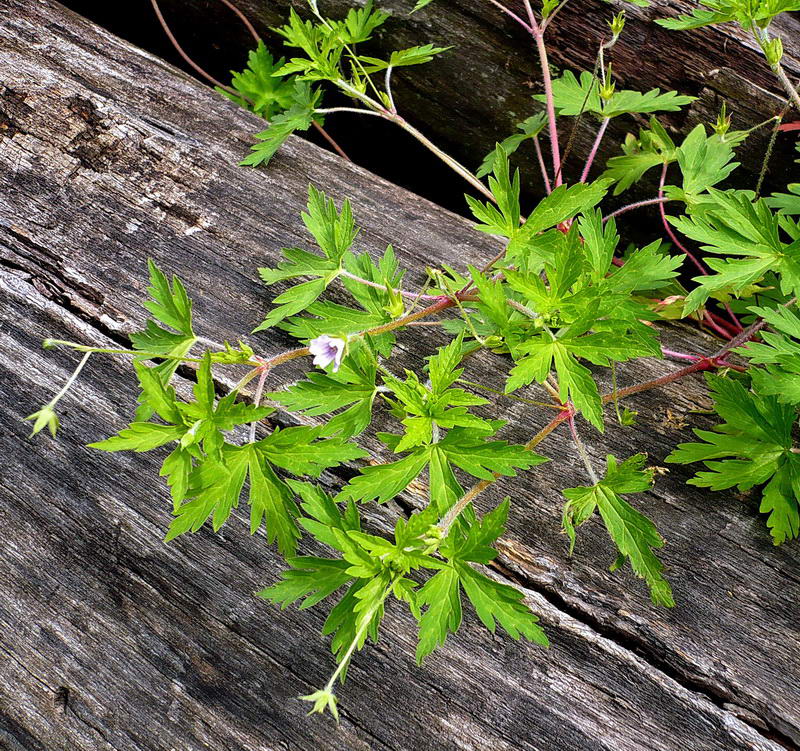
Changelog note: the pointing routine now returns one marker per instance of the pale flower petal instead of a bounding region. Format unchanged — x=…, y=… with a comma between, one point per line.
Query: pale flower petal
x=326, y=350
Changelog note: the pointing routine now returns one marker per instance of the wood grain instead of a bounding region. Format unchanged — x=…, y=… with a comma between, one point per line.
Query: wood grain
x=113, y=640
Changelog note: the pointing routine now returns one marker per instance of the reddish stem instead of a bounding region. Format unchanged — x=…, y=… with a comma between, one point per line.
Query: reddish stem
x=542, y=165
x=595, y=146
x=668, y=228
x=689, y=255
x=638, y=204
x=548, y=93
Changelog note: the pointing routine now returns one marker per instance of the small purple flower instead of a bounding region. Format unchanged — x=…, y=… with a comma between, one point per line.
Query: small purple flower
x=326, y=350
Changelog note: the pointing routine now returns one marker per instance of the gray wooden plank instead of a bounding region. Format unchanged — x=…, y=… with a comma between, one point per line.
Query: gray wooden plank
x=109, y=162
x=164, y=646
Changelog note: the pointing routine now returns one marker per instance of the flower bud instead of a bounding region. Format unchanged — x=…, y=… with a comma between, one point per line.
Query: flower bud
x=774, y=51
x=723, y=124
x=617, y=24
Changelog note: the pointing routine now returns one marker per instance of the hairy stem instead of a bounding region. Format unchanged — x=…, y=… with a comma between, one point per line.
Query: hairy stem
x=511, y=13
x=455, y=165
x=542, y=166
x=403, y=292
x=595, y=146
x=112, y=351
x=257, y=400
x=582, y=452
x=359, y=635
x=636, y=205
x=668, y=228
x=376, y=108
x=538, y=36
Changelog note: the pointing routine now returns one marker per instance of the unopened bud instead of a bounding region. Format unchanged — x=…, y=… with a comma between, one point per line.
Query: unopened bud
x=774, y=51
x=723, y=124
x=617, y=24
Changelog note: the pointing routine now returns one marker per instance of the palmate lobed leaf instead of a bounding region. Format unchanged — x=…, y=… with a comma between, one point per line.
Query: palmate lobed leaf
x=298, y=117
x=756, y=448
x=495, y=603
x=633, y=533
x=259, y=89
x=731, y=224
x=573, y=96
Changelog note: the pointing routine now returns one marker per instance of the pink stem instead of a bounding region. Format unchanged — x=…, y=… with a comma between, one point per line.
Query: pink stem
x=668, y=229
x=548, y=93
x=638, y=204
x=595, y=146
x=733, y=330
x=683, y=249
x=679, y=355
x=542, y=165
x=511, y=14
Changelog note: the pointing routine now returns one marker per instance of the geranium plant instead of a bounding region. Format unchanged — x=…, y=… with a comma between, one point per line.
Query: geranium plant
x=559, y=302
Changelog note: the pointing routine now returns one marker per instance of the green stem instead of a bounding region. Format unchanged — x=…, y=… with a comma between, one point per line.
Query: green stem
x=763, y=39
x=110, y=351
x=70, y=380
x=360, y=635
x=455, y=165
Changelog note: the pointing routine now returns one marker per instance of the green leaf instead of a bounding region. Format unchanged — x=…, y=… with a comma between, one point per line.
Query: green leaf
x=260, y=90
x=704, y=162
x=361, y=22
x=323, y=516
x=442, y=596
x=653, y=147
x=482, y=458
x=786, y=203
x=310, y=579
x=497, y=603
x=400, y=58
x=573, y=96
x=206, y=418
x=302, y=451
x=633, y=533
x=474, y=543
x=730, y=224
x=780, y=352
x=335, y=231
x=562, y=204
x=756, y=448
x=298, y=117
x=503, y=217
x=215, y=487
x=383, y=482
x=530, y=127
x=353, y=386
x=169, y=305
x=140, y=436
x=177, y=468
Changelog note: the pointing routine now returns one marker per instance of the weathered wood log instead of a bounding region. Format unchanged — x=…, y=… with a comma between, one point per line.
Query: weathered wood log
x=475, y=94
x=112, y=640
